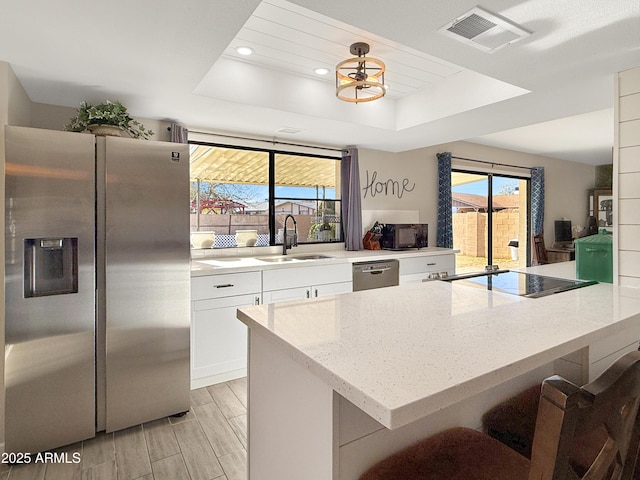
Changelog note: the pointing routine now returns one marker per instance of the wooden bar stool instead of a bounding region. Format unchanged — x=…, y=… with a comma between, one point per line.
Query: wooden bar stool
x=599, y=421
x=513, y=421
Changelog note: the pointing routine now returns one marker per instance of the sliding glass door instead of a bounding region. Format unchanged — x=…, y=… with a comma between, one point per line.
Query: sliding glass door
x=490, y=220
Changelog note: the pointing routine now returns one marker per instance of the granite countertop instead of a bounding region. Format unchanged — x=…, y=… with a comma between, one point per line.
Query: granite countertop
x=219, y=264
x=401, y=353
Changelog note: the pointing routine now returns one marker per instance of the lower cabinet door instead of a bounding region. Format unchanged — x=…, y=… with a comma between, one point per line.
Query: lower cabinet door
x=302, y=293
x=331, y=289
x=218, y=338
x=286, y=294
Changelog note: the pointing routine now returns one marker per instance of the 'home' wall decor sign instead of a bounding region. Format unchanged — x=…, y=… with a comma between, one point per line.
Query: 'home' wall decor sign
x=389, y=187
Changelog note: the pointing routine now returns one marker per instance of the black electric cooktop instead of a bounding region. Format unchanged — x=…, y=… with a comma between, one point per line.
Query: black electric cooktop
x=519, y=283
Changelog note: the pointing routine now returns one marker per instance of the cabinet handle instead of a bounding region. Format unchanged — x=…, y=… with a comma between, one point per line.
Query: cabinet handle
x=431, y=264
x=257, y=301
x=223, y=285
x=316, y=292
x=308, y=293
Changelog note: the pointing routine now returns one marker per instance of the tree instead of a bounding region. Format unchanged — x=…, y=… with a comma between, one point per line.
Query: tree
x=240, y=193
x=508, y=189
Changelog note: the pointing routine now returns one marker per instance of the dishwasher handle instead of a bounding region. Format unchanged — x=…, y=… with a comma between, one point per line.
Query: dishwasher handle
x=377, y=271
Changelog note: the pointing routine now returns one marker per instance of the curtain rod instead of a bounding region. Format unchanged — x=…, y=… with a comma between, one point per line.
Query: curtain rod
x=273, y=142
x=493, y=164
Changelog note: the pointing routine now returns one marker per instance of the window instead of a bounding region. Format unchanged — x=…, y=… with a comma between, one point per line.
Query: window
x=243, y=195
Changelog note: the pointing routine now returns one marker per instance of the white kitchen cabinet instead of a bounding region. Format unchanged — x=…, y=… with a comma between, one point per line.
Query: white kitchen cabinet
x=310, y=291
x=218, y=339
x=588, y=363
x=417, y=269
x=306, y=282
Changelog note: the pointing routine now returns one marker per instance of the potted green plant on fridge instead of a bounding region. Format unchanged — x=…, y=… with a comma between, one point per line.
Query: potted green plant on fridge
x=107, y=118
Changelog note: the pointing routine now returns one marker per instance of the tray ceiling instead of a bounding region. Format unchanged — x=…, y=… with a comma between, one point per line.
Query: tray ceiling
x=179, y=64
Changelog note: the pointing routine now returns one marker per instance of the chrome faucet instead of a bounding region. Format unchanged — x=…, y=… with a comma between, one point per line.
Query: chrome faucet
x=294, y=241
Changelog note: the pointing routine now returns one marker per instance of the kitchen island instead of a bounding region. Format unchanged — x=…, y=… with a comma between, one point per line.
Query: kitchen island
x=337, y=383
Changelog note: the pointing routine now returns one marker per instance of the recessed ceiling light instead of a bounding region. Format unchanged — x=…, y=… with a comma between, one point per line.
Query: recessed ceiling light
x=244, y=50
x=321, y=71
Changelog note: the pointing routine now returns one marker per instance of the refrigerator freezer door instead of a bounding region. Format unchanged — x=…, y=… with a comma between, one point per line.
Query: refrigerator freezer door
x=49, y=334
x=147, y=279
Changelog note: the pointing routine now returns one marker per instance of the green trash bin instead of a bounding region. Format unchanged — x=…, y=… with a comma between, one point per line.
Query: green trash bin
x=594, y=258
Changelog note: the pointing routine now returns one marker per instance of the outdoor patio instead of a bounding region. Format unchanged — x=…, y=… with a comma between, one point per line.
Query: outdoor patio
x=465, y=264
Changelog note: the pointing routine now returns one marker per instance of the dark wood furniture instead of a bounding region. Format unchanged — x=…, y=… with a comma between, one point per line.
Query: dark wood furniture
x=539, y=250
x=556, y=255
x=580, y=433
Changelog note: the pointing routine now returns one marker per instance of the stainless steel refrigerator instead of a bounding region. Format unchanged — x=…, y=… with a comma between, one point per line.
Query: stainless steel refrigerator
x=96, y=285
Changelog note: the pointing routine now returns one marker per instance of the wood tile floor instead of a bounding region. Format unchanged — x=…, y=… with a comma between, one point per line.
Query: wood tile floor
x=210, y=442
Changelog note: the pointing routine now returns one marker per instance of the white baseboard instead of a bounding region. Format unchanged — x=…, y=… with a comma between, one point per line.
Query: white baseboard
x=218, y=378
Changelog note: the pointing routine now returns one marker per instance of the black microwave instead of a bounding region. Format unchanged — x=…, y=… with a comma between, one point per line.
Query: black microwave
x=398, y=236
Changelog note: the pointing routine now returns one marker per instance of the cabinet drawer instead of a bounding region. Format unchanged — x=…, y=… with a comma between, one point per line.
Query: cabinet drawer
x=431, y=263
x=597, y=368
x=226, y=285
x=613, y=343
x=224, y=302
x=305, y=276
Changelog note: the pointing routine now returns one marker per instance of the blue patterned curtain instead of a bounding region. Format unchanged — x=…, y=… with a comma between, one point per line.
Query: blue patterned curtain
x=350, y=199
x=444, y=235
x=537, y=200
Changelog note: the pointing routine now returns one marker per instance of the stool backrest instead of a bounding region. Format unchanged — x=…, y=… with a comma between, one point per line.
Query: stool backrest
x=539, y=250
x=605, y=410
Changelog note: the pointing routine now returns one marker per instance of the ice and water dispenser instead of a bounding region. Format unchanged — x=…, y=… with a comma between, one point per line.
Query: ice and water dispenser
x=50, y=266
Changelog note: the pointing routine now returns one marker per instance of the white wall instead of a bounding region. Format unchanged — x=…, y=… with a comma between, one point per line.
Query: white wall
x=415, y=169
x=566, y=183
x=55, y=117
x=626, y=179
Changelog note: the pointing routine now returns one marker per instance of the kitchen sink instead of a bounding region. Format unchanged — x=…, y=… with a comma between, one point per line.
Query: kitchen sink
x=310, y=257
x=293, y=258
x=277, y=259
x=254, y=261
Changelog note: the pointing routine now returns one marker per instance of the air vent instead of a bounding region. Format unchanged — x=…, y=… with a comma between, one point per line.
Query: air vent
x=484, y=30
x=289, y=130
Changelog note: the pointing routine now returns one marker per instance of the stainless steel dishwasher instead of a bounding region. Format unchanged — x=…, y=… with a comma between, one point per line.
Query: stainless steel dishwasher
x=376, y=274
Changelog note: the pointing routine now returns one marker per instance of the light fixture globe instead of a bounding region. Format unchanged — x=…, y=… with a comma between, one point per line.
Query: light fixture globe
x=360, y=79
